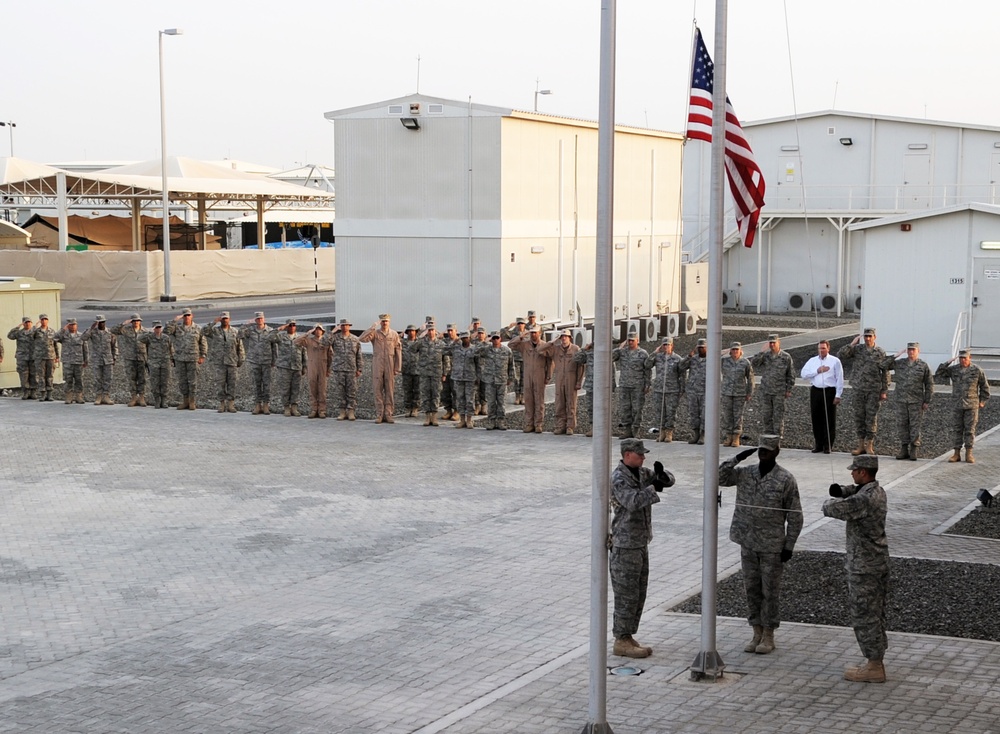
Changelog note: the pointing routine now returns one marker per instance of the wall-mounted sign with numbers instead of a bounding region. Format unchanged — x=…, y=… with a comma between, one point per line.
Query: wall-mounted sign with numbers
x=956, y=281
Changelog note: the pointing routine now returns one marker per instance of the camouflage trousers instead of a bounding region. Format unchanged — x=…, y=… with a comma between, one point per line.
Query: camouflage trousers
x=159, y=380
x=289, y=382
x=187, y=379
x=430, y=393
x=43, y=373
x=102, y=378
x=963, y=426
x=630, y=403
x=73, y=375
x=696, y=412
x=261, y=376
x=411, y=391
x=762, y=582
x=910, y=417
x=866, y=414
x=447, y=393
x=665, y=408
x=225, y=381
x=480, y=392
x=772, y=412
x=495, y=396
x=518, y=378
x=732, y=413
x=464, y=396
x=629, y=577
x=867, y=593
x=345, y=389
x=135, y=372
x=26, y=371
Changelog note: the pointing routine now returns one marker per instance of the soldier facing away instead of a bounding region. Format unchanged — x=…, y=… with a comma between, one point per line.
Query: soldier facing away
x=695, y=367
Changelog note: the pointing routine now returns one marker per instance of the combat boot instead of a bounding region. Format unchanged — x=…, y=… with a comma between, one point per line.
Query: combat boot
x=342, y=415
x=758, y=632
x=913, y=452
x=295, y=410
x=969, y=458
x=266, y=408
x=256, y=408
x=108, y=400
x=569, y=431
x=558, y=431
x=134, y=402
x=389, y=418
x=80, y=399
x=728, y=441
x=766, y=642
x=378, y=420
x=231, y=406
x=222, y=406
x=870, y=446
x=701, y=438
x=669, y=437
x=322, y=414
x=528, y=429
x=659, y=436
x=98, y=401
x=861, y=449
x=693, y=439
x=736, y=440
x=956, y=457
x=142, y=401
x=288, y=411
x=314, y=413
x=414, y=413
x=434, y=418
x=191, y=403
x=871, y=672
x=469, y=423
x=184, y=403
x=626, y=432
x=448, y=415
x=350, y=414
x=461, y=422
x=69, y=397
x=626, y=647
x=904, y=452
x=590, y=433
x=427, y=420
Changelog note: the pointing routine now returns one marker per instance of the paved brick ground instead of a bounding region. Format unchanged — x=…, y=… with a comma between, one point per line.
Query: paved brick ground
x=168, y=571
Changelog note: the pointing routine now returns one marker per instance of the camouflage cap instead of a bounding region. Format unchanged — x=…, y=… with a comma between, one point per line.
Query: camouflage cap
x=258, y=315
x=25, y=319
x=99, y=318
x=448, y=327
x=187, y=312
x=135, y=317
x=463, y=335
x=667, y=340
x=865, y=461
x=703, y=342
x=773, y=338
x=476, y=319
x=530, y=314
x=410, y=327
x=70, y=321
x=633, y=334
x=481, y=330
x=770, y=442
x=384, y=317
x=913, y=345
x=224, y=315
x=634, y=445
x=965, y=353
x=431, y=325
x=290, y=322
x=345, y=322
x=494, y=335
x=157, y=324
x=43, y=316
x=736, y=345
x=520, y=320
x=869, y=332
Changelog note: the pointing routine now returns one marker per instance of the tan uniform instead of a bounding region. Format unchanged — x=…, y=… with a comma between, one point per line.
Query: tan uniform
x=568, y=375
x=535, y=373
x=387, y=362
x=318, y=361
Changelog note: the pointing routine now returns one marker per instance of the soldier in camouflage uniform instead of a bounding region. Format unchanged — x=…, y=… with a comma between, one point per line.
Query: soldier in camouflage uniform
x=227, y=354
x=74, y=360
x=103, y=355
x=290, y=359
x=190, y=349
x=870, y=385
x=694, y=366
x=259, y=348
x=863, y=505
x=970, y=390
x=668, y=386
x=766, y=523
x=451, y=341
x=633, y=493
x=433, y=364
x=496, y=364
x=585, y=358
x=463, y=378
x=914, y=388
x=387, y=362
x=568, y=376
x=318, y=360
x=518, y=328
x=777, y=378
x=159, y=358
x=737, y=389
x=346, y=369
x=633, y=384
x=535, y=368
x=480, y=340
x=44, y=355
x=411, y=378
x=23, y=357
x=133, y=354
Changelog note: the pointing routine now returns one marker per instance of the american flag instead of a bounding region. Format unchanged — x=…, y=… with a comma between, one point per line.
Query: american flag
x=746, y=182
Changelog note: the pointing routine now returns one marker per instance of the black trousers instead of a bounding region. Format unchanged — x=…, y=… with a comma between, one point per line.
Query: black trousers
x=824, y=415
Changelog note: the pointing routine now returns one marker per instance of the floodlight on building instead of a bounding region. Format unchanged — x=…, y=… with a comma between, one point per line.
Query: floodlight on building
x=985, y=497
x=846, y=141
x=917, y=146
x=537, y=249
x=789, y=148
x=989, y=245
x=539, y=91
x=410, y=123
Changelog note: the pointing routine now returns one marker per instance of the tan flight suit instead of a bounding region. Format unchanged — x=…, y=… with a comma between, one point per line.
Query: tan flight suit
x=569, y=377
x=319, y=358
x=387, y=362
x=536, y=372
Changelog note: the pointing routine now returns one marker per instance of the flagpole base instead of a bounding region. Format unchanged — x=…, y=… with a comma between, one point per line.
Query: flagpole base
x=707, y=666
x=604, y=728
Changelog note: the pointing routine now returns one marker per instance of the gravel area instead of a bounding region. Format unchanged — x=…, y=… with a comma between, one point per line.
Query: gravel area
x=980, y=523
x=925, y=597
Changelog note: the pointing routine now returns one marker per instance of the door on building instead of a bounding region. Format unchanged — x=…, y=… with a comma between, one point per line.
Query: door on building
x=985, y=323
x=916, y=181
x=789, y=190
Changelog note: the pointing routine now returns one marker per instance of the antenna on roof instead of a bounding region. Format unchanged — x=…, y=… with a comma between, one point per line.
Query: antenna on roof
x=418, y=73
x=835, y=85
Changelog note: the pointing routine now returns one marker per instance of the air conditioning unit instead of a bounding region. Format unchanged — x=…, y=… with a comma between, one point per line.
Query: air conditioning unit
x=670, y=324
x=581, y=337
x=689, y=322
x=827, y=301
x=649, y=328
x=630, y=325
x=731, y=300
x=853, y=303
x=551, y=336
x=800, y=302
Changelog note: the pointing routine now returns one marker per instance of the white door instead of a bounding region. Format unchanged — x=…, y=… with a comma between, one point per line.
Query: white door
x=916, y=181
x=985, y=326
x=789, y=190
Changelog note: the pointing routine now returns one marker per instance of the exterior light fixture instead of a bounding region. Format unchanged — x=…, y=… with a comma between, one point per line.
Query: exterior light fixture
x=987, y=245
x=985, y=497
x=410, y=123
x=846, y=141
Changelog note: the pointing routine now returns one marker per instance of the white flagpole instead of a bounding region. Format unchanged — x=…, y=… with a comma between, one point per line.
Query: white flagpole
x=708, y=664
x=597, y=722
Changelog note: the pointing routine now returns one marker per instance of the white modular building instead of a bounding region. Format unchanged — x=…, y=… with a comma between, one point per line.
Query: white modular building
x=824, y=172
x=454, y=209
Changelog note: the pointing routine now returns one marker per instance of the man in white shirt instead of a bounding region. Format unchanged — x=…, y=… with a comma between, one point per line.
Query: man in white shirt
x=826, y=374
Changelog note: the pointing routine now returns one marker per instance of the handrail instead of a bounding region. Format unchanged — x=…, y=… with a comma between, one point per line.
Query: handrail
x=957, y=339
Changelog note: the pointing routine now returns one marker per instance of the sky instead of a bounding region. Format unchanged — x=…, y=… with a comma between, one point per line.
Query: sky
x=251, y=80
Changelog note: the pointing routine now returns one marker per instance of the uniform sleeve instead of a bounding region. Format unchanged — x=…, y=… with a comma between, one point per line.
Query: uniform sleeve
x=358, y=360
x=928, y=384
x=749, y=375
x=852, y=507
x=728, y=473
x=793, y=518
x=845, y=352
x=943, y=372
x=789, y=373
x=984, y=387
x=202, y=346
x=632, y=498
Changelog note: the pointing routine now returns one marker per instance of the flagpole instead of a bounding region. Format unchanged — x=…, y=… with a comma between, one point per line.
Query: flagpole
x=597, y=722
x=708, y=664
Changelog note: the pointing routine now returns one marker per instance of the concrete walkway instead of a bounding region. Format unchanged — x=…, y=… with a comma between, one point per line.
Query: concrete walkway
x=168, y=571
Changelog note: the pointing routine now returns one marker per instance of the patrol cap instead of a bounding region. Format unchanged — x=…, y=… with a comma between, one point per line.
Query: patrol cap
x=476, y=319
x=410, y=327
x=42, y=316
x=634, y=445
x=481, y=330
x=290, y=322
x=463, y=335
x=864, y=461
x=186, y=312
x=667, y=340
x=224, y=315
x=633, y=334
x=703, y=342
x=135, y=317
x=913, y=345
x=736, y=345
x=770, y=442
x=431, y=325
x=520, y=320
x=965, y=353
x=70, y=321
x=258, y=315
x=566, y=332
x=448, y=326
x=383, y=317
x=345, y=322
x=869, y=332
x=530, y=314
x=773, y=338
x=318, y=326
x=25, y=319
x=494, y=335
x=99, y=318
x=157, y=324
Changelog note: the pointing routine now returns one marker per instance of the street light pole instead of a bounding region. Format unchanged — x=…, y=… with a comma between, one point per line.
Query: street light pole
x=167, y=294
x=539, y=91
x=10, y=127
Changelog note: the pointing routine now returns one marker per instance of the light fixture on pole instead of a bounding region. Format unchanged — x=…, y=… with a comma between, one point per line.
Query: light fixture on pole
x=539, y=91
x=167, y=295
x=10, y=126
